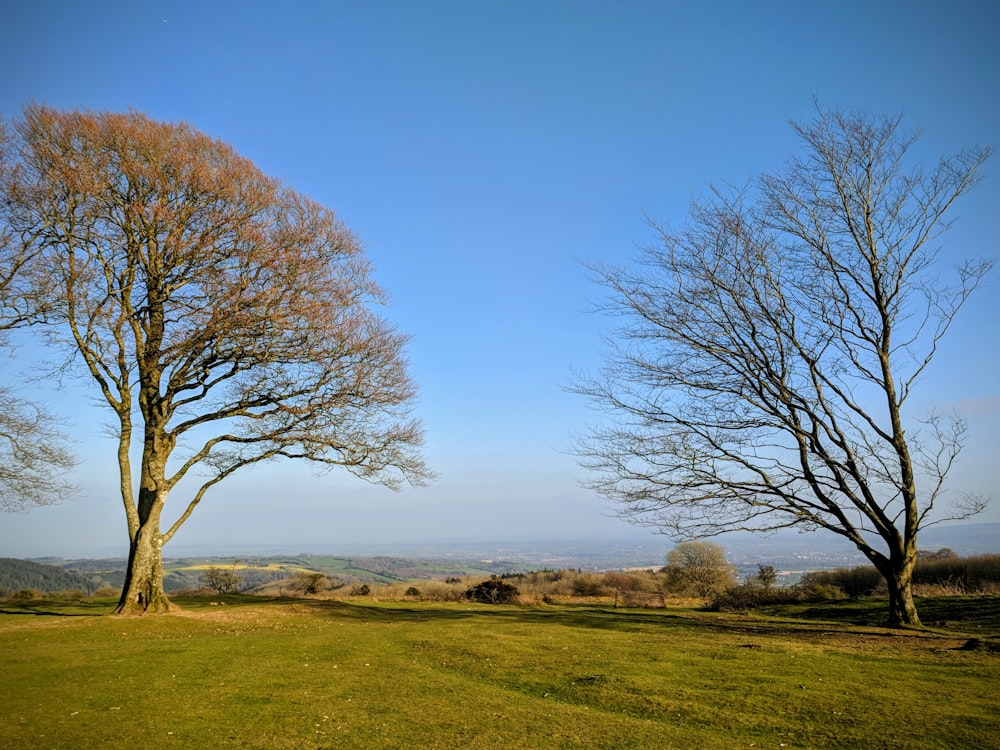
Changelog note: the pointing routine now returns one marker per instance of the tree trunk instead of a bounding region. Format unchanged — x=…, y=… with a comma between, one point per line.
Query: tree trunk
x=143, y=589
x=897, y=570
x=902, y=610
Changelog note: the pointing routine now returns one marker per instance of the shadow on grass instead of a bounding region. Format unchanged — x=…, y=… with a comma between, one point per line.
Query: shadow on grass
x=54, y=609
x=400, y=612
x=949, y=612
x=957, y=615
x=623, y=620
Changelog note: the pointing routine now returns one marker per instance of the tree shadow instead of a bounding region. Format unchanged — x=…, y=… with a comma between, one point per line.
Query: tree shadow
x=840, y=618
x=600, y=618
x=48, y=612
x=816, y=624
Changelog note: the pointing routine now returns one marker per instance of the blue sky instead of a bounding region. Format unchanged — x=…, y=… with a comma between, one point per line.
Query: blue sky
x=482, y=150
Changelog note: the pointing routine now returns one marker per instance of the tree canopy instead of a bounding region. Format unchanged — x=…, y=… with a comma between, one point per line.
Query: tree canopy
x=225, y=319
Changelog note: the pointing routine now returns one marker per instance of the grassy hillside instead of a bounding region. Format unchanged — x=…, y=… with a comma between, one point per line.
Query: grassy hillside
x=17, y=575
x=251, y=673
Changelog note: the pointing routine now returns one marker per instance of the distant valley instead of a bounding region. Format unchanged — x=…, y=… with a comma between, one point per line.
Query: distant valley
x=788, y=551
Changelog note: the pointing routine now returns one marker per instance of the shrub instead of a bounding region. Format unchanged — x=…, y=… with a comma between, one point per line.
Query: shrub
x=752, y=595
x=589, y=585
x=620, y=581
x=941, y=571
x=363, y=590
x=412, y=591
x=819, y=592
x=642, y=588
x=437, y=591
x=27, y=595
x=863, y=580
x=69, y=595
x=974, y=573
x=493, y=591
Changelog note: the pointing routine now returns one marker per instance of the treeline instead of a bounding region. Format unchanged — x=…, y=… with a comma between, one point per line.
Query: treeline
x=25, y=575
x=941, y=573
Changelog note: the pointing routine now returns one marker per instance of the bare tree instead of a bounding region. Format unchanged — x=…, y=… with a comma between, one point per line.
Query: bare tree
x=762, y=375
x=225, y=319
x=34, y=457
x=222, y=580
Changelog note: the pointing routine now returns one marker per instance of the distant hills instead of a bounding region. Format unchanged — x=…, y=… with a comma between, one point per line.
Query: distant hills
x=16, y=575
x=786, y=550
x=965, y=539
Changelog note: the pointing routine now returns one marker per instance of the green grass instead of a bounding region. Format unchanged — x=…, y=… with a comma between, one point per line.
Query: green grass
x=306, y=674
x=365, y=569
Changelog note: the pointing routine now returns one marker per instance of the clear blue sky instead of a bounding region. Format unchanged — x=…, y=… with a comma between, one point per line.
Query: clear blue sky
x=482, y=150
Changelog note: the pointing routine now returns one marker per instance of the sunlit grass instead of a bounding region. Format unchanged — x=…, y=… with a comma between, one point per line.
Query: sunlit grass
x=295, y=674
x=225, y=565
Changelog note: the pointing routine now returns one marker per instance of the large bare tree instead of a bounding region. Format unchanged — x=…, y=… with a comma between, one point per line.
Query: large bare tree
x=225, y=319
x=34, y=458
x=763, y=371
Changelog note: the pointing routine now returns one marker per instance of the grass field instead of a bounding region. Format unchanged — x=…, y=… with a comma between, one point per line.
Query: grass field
x=253, y=673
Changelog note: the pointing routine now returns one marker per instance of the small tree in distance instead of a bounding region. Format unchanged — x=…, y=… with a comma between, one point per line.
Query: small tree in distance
x=225, y=319
x=222, y=580
x=699, y=568
x=763, y=374
x=310, y=583
x=766, y=576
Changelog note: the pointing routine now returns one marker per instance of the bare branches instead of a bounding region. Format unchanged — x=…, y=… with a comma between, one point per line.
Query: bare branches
x=766, y=352
x=34, y=461
x=34, y=457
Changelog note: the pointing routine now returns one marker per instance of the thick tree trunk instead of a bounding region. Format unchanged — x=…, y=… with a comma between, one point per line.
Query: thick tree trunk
x=897, y=571
x=902, y=610
x=143, y=589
